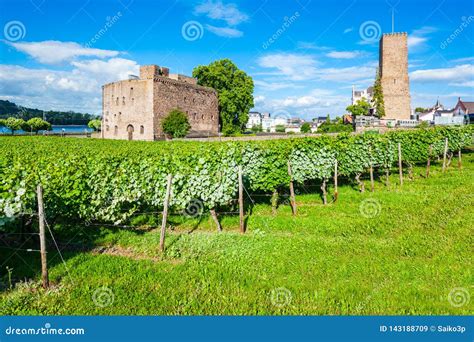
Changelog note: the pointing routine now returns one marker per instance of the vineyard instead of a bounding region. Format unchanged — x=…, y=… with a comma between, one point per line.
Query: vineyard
x=109, y=181
x=399, y=249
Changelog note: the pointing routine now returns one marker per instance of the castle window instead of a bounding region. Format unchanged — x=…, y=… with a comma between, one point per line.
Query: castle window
x=131, y=92
x=107, y=128
x=202, y=116
x=120, y=113
x=394, y=81
x=115, y=130
x=123, y=100
x=194, y=116
x=185, y=99
x=142, y=129
x=117, y=101
x=133, y=100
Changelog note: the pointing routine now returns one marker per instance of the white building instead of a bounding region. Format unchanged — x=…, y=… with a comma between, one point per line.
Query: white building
x=366, y=94
x=255, y=120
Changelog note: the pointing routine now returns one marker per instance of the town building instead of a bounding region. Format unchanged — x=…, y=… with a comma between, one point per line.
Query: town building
x=133, y=109
x=464, y=108
x=255, y=120
x=366, y=94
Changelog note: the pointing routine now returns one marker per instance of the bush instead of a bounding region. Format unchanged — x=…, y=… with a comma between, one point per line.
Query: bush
x=280, y=129
x=305, y=128
x=334, y=128
x=95, y=124
x=176, y=124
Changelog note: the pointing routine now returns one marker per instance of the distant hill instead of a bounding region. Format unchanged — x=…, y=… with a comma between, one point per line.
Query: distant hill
x=10, y=109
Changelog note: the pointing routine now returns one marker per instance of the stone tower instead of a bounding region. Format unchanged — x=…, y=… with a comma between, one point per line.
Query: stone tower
x=393, y=63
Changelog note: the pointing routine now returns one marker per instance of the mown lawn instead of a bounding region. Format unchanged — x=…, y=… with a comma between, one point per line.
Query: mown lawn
x=414, y=256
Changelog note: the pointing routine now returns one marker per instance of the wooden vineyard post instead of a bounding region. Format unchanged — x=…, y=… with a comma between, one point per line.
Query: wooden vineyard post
x=165, y=212
x=428, y=162
x=241, y=201
x=445, y=153
x=372, y=186
x=44, y=262
x=216, y=219
x=400, y=165
x=292, y=190
x=335, y=181
x=459, y=160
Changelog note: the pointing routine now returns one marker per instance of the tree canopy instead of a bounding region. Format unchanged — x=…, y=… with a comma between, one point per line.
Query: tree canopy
x=377, y=99
x=360, y=108
x=37, y=124
x=305, y=128
x=235, y=92
x=95, y=124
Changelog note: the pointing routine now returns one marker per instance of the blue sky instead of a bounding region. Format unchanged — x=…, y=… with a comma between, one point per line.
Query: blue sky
x=304, y=55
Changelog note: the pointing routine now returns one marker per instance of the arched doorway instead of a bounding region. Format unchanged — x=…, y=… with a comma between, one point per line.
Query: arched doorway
x=130, y=132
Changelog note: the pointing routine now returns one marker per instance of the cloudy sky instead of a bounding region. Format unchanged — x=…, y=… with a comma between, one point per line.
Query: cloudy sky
x=304, y=55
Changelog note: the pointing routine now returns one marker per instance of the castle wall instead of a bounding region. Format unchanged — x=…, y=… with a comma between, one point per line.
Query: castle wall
x=199, y=103
x=394, y=75
x=128, y=105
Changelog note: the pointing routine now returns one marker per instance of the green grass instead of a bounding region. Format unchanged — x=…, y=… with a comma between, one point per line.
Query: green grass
x=328, y=260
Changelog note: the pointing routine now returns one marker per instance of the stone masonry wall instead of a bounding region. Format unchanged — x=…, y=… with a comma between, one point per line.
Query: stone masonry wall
x=394, y=75
x=128, y=106
x=199, y=103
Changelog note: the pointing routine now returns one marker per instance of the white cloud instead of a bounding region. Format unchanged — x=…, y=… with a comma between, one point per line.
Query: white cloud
x=305, y=67
x=310, y=46
x=455, y=74
x=53, y=52
x=271, y=86
x=225, y=31
x=419, y=37
x=345, y=54
x=292, y=66
x=219, y=11
x=78, y=89
x=110, y=70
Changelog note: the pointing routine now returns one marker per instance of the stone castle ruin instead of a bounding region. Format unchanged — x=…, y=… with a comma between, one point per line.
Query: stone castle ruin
x=393, y=64
x=133, y=109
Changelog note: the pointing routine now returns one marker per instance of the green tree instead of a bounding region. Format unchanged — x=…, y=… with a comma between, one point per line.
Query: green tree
x=419, y=110
x=305, y=128
x=2, y=123
x=176, y=124
x=328, y=119
x=360, y=108
x=37, y=124
x=14, y=124
x=378, y=96
x=256, y=128
x=235, y=92
x=95, y=124
x=280, y=128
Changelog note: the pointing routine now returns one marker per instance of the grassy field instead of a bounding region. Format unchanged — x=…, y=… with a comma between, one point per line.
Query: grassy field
x=395, y=251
